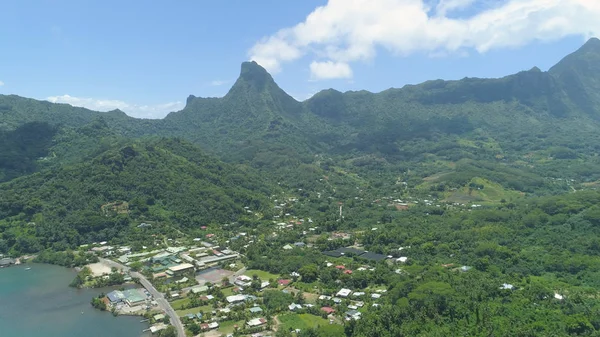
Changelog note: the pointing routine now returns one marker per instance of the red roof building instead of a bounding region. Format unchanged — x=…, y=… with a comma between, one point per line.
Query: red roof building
x=348, y=271
x=284, y=282
x=340, y=267
x=209, y=235
x=328, y=310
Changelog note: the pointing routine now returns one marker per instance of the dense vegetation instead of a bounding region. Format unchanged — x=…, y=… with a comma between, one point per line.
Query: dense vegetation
x=164, y=181
x=501, y=175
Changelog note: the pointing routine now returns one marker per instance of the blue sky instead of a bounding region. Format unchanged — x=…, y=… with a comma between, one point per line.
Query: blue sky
x=146, y=57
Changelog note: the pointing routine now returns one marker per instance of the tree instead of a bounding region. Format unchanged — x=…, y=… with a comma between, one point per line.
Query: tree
x=309, y=273
x=168, y=332
x=194, y=328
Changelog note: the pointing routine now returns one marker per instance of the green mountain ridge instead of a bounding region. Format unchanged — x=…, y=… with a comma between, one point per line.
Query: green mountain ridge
x=410, y=128
x=167, y=181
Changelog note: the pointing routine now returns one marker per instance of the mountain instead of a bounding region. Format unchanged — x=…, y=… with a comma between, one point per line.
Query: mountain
x=532, y=123
x=254, y=115
x=168, y=182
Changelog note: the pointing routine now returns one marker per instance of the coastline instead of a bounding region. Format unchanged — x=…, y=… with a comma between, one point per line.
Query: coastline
x=39, y=299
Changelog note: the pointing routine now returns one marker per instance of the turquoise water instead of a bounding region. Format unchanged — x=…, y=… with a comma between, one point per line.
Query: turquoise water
x=39, y=303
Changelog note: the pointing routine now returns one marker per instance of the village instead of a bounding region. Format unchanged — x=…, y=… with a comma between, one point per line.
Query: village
x=210, y=291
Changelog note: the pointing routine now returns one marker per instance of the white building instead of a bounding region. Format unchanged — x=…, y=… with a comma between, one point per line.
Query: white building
x=344, y=292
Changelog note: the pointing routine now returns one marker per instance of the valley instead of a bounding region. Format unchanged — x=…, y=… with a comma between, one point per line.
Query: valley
x=447, y=208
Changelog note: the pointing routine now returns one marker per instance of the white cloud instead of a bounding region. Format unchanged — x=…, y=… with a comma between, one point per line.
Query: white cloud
x=445, y=6
x=134, y=110
x=217, y=83
x=346, y=31
x=1, y=83
x=329, y=70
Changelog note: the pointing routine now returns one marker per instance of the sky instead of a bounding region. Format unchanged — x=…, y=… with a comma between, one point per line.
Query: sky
x=146, y=57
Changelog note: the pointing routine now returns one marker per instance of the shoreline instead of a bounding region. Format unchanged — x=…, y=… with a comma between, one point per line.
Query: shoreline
x=72, y=296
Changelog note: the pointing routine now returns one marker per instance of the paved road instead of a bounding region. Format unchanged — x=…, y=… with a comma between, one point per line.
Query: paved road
x=162, y=302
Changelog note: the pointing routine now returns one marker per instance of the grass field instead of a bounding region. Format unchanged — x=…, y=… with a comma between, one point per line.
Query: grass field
x=205, y=308
x=228, y=291
x=226, y=327
x=301, y=321
x=178, y=304
x=263, y=275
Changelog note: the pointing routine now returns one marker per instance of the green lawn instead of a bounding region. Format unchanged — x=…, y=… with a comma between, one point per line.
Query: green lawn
x=301, y=321
x=263, y=275
x=178, y=304
x=228, y=291
x=206, y=308
x=226, y=327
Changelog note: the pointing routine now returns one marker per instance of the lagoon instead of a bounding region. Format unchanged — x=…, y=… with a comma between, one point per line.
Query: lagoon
x=39, y=303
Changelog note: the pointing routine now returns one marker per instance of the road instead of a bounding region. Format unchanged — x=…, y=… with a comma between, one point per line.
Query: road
x=162, y=302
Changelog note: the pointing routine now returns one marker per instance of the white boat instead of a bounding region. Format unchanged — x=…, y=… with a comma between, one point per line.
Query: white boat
x=27, y=268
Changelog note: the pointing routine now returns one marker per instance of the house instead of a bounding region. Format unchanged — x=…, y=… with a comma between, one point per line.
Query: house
x=235, y=298
x=255, y=310
x=243, y=281
x=199, y=289
x=348, y=271
x=159, y=317
x=340, y=267
x=284, y=282
x=256, y=322
x=402, y=259
x=299, y=244
x=507, y=286
x=264, y=284
x=288, y=247
x=324, y=297
x=344, y=292
x=336, y=300
x=353, y=307
x=328, y=310
x=199, y=315
x=213, y=325
x=373, y=256
x=353, y=314
x=180, y=269
x=294, y=306
x=375, y=296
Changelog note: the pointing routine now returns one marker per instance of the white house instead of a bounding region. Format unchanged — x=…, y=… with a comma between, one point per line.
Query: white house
x=344, y=292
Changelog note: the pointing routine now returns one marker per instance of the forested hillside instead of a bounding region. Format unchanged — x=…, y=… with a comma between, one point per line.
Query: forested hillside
x=534, y=123
x=166, y=182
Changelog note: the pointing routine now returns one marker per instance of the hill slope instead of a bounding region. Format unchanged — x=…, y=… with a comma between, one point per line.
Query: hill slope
x=532, y=122
x=166, y=181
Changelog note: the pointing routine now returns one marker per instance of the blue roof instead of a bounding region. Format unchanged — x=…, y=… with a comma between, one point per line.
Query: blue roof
x=256, y=309
x=190, y=316
x=115, y=296
x=199, y=315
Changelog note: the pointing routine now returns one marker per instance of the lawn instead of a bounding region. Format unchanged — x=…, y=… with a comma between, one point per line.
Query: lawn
x=301, y=321
x=263, y=275
x=226, y=327
x=228, y=291
x=178, y=304
x=206, y=308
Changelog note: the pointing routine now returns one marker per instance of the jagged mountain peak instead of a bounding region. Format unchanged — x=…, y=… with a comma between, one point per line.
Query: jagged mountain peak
x=253, y=77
